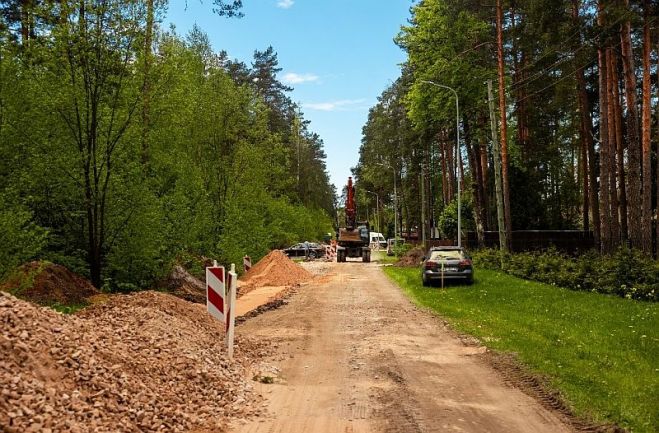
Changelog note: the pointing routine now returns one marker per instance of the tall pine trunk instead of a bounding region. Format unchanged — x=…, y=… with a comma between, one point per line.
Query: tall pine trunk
x=646, y=124
x=613, y=190
x=590, y=199
x=504, y=125
x=620, y=150
x=634, y=178
x=605, y=210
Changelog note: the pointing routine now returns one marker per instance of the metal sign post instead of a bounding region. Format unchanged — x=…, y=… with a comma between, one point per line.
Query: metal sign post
x=232, y=281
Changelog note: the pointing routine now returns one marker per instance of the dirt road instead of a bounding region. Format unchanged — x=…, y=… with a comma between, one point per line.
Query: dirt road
x=356, y=356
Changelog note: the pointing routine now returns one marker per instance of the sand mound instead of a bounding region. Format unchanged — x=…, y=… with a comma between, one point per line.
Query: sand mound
x=275, y=269
x=413, y=257
x=48, y=283
x=138, y=363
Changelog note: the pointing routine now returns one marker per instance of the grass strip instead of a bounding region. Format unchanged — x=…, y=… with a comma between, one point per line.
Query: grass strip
x=601, y=352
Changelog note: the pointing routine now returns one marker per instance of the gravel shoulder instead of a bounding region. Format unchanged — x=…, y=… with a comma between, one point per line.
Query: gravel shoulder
x=353, y=354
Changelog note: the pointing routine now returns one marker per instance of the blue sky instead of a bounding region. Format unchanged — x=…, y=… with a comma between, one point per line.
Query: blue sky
x=339, y=56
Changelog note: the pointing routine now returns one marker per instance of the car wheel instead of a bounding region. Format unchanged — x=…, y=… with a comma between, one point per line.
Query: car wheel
x=425, y=282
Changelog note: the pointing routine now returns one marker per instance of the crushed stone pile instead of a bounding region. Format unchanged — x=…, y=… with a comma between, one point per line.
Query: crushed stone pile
x=47, y=283
x=275, y=269
x=138, y=363
x=412, y=258
x=184, y=285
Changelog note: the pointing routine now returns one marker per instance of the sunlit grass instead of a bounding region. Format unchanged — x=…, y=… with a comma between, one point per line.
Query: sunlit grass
x=601, y=352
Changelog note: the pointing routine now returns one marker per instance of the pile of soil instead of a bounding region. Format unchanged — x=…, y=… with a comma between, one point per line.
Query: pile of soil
x=412, y=258
x=138, y=363
x=184, y=285
x=47, y=283
x=275, y=269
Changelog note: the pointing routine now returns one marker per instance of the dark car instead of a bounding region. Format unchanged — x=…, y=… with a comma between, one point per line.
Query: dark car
x=449, y=263
x=309, y=250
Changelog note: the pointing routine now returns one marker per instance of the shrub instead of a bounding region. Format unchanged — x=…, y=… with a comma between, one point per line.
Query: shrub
x=627, y=273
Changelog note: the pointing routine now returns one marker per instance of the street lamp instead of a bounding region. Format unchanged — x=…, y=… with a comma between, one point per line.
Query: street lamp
x=377, y=207
x=457, y=150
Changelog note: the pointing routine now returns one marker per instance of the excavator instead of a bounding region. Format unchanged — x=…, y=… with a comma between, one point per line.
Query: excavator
x=353, y=239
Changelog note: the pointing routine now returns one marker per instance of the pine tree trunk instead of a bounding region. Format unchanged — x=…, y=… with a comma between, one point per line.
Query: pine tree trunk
x=445, y=182
x=646, y=125
x=498, y=183
x=589, y=187
x=25, y=22
x=613, y=191
x=504, y=125
x=605, y=210
x=634, y=178
x=620, y=151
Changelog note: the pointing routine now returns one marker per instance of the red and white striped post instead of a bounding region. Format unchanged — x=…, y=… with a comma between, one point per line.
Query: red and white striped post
x=247, y=263
x=221, y=289
x=215, y=292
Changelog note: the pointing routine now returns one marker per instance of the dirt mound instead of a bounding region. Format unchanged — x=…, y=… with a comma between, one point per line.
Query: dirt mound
x=412, y=258
x=184, y=285
x=47, y=283
x=137, y=363
x=275, y=269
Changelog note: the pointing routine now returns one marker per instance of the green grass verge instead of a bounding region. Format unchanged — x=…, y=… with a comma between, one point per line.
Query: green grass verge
x=601, y=352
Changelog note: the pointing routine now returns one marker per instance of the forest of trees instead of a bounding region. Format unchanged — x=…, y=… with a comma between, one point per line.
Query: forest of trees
x=124, y=144
x=567, y=139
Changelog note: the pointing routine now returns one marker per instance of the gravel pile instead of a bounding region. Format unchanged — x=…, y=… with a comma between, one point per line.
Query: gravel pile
x=184, y=285
x=48, y=283
x=412, y=258
x=275, y=269
x=138, y=363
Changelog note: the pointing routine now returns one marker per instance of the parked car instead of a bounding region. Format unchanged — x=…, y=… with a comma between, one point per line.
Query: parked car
x=392, y=243
x=309, y=250
x=449, y=263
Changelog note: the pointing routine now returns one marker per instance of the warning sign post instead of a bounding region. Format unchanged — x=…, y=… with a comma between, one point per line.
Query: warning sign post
x=221, y=289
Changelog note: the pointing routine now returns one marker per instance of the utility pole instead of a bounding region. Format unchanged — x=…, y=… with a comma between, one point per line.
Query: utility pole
x=496, y=151
x=297, y=129
x=395, y=207
x=423, y=206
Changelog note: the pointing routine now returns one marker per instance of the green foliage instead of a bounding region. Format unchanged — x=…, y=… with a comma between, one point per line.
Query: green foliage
x=125, y=170
x=627, y=273
x=20, y=238
x=599, y=352
x=401, y=249
x=448, y=219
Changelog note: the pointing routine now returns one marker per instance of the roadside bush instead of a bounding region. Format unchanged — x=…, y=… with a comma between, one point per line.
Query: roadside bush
x=627, y=273
x=401, y=249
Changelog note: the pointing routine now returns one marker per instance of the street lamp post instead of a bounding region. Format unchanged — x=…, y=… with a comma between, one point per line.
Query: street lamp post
x=457, y=150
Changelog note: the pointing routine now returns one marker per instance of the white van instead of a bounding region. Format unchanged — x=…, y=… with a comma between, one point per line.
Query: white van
x=378, y=241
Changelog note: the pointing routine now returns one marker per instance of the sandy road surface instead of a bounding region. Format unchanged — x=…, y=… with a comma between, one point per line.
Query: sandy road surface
x=356, y=356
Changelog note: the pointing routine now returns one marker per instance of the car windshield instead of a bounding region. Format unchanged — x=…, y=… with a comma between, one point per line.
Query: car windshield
x=446, y=255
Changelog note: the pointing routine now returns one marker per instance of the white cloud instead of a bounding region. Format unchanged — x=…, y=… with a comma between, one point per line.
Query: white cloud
x=293, y=78
x=285, y=4
x=341, y=105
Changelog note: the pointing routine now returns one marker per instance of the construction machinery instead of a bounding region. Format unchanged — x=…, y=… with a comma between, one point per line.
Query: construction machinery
x=353, y=239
